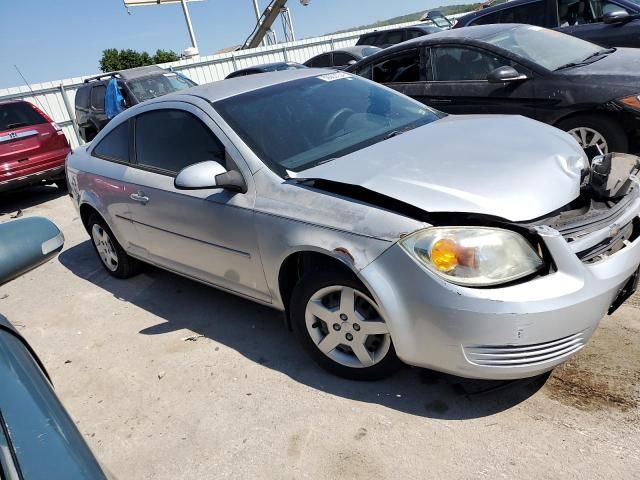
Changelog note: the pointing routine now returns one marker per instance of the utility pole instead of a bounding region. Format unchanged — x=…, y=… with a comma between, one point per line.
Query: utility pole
x=187, y=18
x=256, y=7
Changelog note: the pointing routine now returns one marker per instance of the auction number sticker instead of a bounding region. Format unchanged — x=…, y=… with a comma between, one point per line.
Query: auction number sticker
x=330, y=77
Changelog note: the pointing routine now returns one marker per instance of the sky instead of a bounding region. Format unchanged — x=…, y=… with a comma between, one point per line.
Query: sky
x=55, y=39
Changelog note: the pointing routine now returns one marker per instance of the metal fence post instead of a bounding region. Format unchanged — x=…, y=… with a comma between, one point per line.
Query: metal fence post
x=284, y=53
x=71, y=114
x=234, y=62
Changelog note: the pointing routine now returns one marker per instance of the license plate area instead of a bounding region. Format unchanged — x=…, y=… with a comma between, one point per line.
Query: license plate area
x=627, y=291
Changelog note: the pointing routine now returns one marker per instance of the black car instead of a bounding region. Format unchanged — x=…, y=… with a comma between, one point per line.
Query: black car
x=264, y=68
x=341, y=58
x=386, y=38
x=587, y=90
x=38, y=438
x=609, y=23
x=94, y=108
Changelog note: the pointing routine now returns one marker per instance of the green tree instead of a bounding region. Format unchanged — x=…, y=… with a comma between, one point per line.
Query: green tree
x=110, y=60
x=165, y=56
x=114, y=59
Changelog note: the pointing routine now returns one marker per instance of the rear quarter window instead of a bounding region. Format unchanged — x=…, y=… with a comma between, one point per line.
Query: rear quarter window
x=82, y=97
x=115, y=145
x=18, y=114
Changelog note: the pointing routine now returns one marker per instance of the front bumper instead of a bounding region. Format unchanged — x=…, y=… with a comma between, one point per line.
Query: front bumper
x=497, y=333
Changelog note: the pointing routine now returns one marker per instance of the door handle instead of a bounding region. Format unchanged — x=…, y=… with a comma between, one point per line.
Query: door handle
x=139, y=197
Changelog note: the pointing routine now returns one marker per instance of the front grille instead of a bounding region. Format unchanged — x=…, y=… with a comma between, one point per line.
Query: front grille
x=524, y=355
x=610, y=245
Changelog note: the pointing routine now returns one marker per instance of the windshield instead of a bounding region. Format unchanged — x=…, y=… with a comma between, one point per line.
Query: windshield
x=158, y=85
x=296, y=125
x=547, y=48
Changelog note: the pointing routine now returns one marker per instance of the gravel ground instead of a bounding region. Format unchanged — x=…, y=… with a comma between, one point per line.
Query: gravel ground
x=169, y=379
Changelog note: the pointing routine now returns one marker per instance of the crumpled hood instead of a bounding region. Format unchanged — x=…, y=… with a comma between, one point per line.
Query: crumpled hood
x=506, y=166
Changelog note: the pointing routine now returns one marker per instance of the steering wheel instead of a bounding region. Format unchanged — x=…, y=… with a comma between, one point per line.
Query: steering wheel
x=326, y=132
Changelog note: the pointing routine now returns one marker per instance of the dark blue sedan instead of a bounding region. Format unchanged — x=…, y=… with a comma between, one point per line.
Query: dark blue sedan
x=609, y=23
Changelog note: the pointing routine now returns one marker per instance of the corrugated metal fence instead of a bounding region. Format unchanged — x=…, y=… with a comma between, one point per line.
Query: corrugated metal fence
x=57, y=98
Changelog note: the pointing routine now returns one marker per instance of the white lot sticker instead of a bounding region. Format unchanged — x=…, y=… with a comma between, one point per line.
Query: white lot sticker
x=330, y=77
x=170, y=74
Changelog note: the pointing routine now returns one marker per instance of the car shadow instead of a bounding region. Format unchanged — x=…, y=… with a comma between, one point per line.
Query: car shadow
x=15, y=201
x=259, y=333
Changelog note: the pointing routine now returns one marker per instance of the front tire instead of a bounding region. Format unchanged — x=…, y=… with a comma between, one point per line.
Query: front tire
x=340, y=326
x=112, y=256
x=597, y=130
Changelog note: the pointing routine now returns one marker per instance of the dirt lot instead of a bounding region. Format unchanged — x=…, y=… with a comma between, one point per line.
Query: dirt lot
x=243, y=400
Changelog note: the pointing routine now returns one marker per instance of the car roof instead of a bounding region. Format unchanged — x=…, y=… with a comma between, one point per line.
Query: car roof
x=129, y=74
x=476, y=32
x=265, y=65
x=231, y=87
x=355, y=50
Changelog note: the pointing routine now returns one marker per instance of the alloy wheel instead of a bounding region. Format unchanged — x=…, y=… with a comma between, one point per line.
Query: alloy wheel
x=105, y=247
x=588, y=137
x=347, y=327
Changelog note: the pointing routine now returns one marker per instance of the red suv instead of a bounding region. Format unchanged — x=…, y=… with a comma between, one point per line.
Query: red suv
x=33, y=148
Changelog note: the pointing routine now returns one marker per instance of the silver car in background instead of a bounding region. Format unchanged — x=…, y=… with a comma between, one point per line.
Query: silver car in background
x=483, y=246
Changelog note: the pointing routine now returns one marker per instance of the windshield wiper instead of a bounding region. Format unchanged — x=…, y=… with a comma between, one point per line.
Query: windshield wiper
x=9, y=126
x=393, y=133
x=589, y=59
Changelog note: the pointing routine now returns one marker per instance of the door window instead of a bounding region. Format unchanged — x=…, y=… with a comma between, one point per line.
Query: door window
x=393, y=37
x=321, y=61
x=115, y=145
x=415, y=34
x=600, y=8
x=97, y=97
x=370, y=39
x=530, y=13
x=403, y=67
x=451, y=64
x=169, y=140
x=341, y=59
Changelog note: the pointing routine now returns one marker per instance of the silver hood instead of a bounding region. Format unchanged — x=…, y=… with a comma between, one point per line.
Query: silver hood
x=507, y=166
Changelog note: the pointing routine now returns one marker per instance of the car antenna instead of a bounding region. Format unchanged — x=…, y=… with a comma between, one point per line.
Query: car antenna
x=28, y=86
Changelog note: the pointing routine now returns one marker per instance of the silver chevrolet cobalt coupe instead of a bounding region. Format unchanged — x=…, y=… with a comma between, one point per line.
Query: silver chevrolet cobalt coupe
x=483, y=246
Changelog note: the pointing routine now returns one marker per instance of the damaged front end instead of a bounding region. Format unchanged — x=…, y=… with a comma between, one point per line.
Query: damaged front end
x=604, y=218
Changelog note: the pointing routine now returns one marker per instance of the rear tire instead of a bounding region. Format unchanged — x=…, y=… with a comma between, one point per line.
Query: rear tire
x=112, y=256
x=333, y=312
x=589, y=128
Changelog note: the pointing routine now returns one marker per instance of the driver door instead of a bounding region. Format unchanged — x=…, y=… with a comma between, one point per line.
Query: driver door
x=583, y=19
x=205, y=234
x=457, y=83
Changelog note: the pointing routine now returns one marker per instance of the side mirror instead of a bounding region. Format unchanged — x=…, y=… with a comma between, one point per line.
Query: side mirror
x=618, y=16
x=25, y=244
x=209, y=174
x=505, y=74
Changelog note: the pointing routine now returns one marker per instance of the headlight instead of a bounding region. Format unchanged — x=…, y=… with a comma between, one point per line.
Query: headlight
x=473, y=256
x=633, y=101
